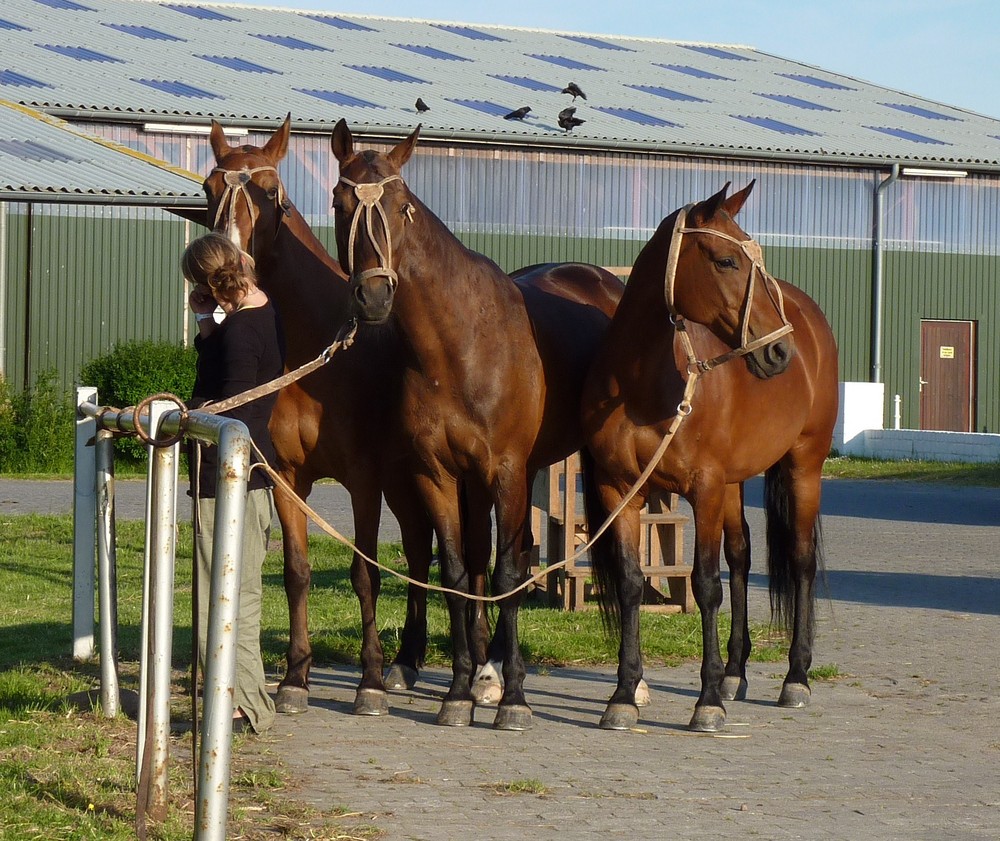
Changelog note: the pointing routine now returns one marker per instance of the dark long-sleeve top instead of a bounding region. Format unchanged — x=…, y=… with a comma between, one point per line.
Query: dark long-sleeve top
x=244, y=351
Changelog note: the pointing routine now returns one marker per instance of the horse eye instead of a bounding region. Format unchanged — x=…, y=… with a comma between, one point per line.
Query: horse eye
x=726, y=263
x=272, y=193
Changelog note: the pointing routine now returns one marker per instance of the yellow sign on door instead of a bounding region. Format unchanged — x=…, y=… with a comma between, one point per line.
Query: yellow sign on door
x=947, y=352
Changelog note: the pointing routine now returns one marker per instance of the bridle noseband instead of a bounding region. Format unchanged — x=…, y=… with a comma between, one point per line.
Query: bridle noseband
x=236, y=181
x=369, y=197
x=751, y=248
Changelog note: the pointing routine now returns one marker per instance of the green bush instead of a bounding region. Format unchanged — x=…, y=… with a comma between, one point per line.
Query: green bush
x=132, y=371
x=36, y=428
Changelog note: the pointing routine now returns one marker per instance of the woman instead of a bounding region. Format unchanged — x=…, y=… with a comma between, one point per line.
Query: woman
x=242, y=351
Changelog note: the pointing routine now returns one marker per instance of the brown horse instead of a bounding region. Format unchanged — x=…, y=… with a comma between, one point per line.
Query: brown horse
x=492, y=377
x=333, y=423
x=700, y=312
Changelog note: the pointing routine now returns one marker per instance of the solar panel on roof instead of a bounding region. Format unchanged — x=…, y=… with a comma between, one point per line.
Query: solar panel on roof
x=386, y=73
x=291, y=43
x=596, y=42
x=637, y=117
x=716, y=52
x=30, y=150
x=903, y=134
x=485, y=107
x=340, y=23
x=431, y=52
x=697, y=72
x=9, y=77
x=235, y=63
x=178, y=88
x=80, y=53
x=917, y=111
x=530, y=84
x=667, y=93
x=775, y=125
x=562, y=61
x=66, y=4
x=468, y=32
x=798, y=103
x=142, y=32
x=338, y=98
x=199, y=12
x=13, y=27
x=817, y=82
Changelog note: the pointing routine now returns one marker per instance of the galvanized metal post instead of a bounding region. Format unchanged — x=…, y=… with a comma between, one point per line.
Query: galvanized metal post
x=107, y=571
x=223, y=617
x=84, y=525
x=162, y=555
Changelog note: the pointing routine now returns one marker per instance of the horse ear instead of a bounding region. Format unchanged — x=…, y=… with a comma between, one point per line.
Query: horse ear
x=342, y=142
x=217, y=138
x=711, y=205
x=736, y=201
x=277, y=146
x=401, y=152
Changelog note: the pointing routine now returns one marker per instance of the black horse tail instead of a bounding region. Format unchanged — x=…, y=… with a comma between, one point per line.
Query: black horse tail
x=781, y=547
x=603, y=554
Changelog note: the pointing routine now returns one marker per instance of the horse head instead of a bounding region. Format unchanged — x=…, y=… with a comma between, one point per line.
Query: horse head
x=719, y=280
x=372, y=207
x=246, y=199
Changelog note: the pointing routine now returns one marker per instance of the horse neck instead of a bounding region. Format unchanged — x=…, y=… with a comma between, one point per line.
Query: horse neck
x=306, y=286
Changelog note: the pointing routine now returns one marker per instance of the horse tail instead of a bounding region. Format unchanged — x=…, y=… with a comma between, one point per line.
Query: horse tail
x=603, y=556
x=781, y=546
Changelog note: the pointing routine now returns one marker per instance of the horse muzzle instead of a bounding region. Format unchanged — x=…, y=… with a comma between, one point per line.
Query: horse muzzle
x=771, y=360
x=372, y=297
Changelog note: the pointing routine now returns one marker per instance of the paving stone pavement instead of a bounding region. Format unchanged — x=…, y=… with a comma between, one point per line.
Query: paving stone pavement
x=905, y=744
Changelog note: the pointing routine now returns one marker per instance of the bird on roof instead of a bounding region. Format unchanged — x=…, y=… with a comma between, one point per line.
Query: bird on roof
x=567, y=121
x=422, y=106
x=519, y=114
x=574, y=88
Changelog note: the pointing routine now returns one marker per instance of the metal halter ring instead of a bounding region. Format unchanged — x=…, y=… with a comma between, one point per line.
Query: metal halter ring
x=144, y=406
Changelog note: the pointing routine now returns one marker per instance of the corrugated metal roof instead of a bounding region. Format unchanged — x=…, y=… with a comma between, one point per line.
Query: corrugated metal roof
x=45, y=159
x=186, y=61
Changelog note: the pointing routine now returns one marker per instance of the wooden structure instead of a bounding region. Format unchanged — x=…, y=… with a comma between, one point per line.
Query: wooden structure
x=560, y=528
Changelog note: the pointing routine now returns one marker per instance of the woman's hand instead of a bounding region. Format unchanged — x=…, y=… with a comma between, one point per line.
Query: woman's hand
x=201, y=300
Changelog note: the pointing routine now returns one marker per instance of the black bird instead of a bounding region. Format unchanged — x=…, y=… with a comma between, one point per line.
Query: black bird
x=574, y=89
x=422, y=106
x=567, y=120
x=519, y=114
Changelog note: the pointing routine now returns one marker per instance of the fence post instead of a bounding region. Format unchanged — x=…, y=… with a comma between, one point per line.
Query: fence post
x=107, y=571
x=84, y=527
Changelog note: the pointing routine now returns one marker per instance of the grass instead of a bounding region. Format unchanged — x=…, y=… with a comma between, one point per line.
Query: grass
x=68, y=774
x=985, y=475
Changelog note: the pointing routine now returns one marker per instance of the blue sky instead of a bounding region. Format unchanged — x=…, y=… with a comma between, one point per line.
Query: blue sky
x=945, y=50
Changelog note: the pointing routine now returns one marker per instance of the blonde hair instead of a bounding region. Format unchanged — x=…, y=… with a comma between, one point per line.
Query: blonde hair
x=213, y=260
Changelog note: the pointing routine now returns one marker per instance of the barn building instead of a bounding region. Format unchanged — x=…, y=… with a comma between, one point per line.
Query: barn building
x=883, y=206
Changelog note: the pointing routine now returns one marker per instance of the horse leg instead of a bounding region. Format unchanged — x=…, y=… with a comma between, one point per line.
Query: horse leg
x=418, y=539
x=513, y=712
x=293, y=691
x=736, y=543
x=799, y=485
x=487, y=686
x=707, y=504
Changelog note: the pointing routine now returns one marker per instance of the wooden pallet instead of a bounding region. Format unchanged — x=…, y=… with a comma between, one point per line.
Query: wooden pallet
x=661, y=544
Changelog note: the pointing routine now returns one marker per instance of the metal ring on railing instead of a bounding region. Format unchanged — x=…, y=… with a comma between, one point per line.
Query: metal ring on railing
x=145, y=404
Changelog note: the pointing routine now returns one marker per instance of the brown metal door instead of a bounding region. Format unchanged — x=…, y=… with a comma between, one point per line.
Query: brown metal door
x=947, y=375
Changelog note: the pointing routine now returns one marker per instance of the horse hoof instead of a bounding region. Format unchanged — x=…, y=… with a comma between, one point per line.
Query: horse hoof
x=291, y=700
x=371, y=702
x=620, y=717
x=794, y=695
x=400, y=677
x=455, y=713
x=708, y=719
x=733, y=688
x=513, y=717
x=642, y=696
x=487, y=691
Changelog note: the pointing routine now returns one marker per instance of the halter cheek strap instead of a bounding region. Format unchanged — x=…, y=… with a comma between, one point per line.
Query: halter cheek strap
x=236, y=188
x=369, y=197
x=751, y=248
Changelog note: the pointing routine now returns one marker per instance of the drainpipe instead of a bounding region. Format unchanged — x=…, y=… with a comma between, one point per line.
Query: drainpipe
x=877, y=275
x=3, y=290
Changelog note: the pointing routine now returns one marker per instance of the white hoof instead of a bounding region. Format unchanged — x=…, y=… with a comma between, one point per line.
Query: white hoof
x=642, y=696
x=487, y=687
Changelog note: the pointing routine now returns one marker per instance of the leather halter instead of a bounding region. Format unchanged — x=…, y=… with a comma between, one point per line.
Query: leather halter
x=236, y=188
x=369, y=197
x=751, y=248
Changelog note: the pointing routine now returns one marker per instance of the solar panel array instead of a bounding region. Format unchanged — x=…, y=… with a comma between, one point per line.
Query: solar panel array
x=161, y=60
